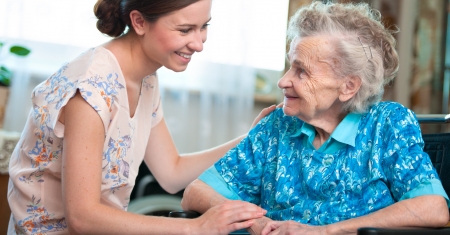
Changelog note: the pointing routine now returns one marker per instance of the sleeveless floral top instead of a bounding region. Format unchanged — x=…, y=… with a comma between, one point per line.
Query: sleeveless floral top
x=34, y=192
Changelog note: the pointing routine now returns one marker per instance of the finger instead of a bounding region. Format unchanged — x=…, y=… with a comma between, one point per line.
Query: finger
x=234, y=217
x=274, y=232
x=240, y=225
x=238, y=204
x=280, y=105
x=245, y=209
x=269, y=227
x=242, y=213
x=267, y=110
x=271, y=108
x=262, y=114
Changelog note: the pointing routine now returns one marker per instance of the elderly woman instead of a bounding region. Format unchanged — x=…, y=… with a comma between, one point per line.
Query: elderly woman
x=334, y=158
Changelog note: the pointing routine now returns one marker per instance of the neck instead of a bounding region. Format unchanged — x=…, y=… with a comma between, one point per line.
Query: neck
x=324, y=127
x=133, y=62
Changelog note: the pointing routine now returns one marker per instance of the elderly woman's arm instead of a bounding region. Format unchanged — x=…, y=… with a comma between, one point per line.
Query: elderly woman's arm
x=200, y=197
x=422, y=211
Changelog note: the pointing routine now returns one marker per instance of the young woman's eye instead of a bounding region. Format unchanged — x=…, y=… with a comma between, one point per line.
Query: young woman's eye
x=205, y=26
x=184, y=31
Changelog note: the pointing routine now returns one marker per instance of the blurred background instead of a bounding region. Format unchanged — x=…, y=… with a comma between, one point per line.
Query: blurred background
x=226, y=85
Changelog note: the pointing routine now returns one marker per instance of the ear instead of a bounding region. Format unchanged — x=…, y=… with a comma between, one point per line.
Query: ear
x=138, y=22
x=349, y=88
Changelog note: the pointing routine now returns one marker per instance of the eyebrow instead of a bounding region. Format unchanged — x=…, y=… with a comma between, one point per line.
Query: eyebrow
x=298, y=63
x=193, y=25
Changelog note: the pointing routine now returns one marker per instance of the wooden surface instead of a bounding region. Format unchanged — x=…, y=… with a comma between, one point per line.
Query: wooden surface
x=5, y=212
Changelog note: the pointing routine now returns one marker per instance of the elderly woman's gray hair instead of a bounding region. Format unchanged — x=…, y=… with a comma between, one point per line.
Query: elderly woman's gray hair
x=363, y=46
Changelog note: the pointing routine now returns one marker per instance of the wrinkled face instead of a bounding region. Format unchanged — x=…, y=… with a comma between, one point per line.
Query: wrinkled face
x=173, y=39
x=310, y=86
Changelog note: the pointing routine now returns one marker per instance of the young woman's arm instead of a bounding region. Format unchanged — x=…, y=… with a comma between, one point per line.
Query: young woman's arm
x=84, y=209
x=174, y=171
x=200, y=197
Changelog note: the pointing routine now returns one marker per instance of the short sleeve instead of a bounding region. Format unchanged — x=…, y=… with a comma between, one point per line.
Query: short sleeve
x=431, y=187
x=242, y=167
x=53, y=94
x=406, y=166
x=212, y=178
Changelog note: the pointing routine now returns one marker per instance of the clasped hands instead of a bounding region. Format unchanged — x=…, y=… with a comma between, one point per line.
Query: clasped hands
x=232, y=215
x=267, y=226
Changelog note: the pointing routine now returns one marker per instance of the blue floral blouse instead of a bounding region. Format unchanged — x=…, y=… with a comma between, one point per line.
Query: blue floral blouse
x=272, y=167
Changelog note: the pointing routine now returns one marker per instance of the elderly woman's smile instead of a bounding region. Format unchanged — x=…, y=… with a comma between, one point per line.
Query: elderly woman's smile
x=311, y=88
x=336, y=158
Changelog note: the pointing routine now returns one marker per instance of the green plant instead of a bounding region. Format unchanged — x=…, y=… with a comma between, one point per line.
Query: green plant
x=6, y=74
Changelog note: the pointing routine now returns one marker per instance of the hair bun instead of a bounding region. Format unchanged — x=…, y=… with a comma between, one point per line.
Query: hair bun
x=108, y=13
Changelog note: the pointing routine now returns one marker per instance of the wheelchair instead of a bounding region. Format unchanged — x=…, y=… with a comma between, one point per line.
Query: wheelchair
x=438, y=148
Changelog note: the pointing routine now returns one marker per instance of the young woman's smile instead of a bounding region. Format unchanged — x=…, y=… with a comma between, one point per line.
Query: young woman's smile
x=173, y=39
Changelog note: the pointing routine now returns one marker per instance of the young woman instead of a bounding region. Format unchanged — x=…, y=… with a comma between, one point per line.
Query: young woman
x=96, y=119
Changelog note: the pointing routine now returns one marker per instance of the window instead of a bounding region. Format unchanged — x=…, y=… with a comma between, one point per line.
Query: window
x=250, y=32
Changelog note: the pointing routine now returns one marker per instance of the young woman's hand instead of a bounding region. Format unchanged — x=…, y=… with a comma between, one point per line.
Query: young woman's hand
x=226, y=217
x=292, y=227
x=264, y=113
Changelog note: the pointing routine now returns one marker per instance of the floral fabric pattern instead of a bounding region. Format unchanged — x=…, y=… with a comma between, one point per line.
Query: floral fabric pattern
x=270, y=167
x=34, y=190
x=39, y=221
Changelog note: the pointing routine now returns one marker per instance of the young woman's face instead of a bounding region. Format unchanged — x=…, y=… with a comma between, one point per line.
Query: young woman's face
x=173, y=39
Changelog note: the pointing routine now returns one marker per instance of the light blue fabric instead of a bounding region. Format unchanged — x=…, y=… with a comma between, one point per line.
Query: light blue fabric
x=431, y=187
x=215, y=180
x=274, y=169
x=344, y=133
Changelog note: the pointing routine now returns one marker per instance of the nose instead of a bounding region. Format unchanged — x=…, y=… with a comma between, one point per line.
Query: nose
x=197, y=41
x=285, y=81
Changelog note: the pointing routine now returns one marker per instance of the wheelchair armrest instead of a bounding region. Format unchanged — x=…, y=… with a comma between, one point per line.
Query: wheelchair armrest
x=400, y=231
x=184, y=214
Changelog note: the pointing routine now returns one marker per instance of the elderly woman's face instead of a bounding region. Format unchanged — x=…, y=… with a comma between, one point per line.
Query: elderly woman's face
x=311, y=89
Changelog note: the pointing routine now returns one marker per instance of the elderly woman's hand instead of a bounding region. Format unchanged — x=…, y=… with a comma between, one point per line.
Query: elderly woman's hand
x=264, y=113
x=259, y=225
x=292, y=227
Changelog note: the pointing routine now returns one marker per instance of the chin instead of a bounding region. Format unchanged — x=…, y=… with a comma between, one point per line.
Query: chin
x=177, y=69
x=291, y=112
x=287, y=111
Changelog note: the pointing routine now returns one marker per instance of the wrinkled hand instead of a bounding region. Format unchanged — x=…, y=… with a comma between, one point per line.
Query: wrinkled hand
x=227, y=217
x=292, y=227
x=259, y=225
x=264, y=113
